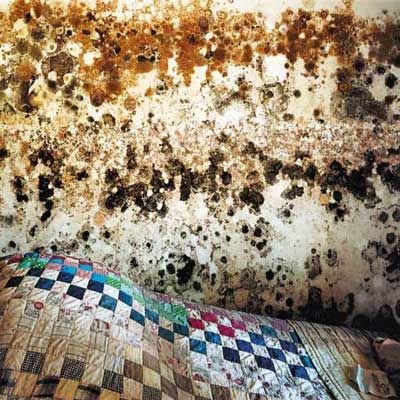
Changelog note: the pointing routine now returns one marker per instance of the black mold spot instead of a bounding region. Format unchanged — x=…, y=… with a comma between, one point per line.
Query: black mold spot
x=376, y=250
x=213, y=279
x=332, y=257
x=310, y=172
x=131, y=158
x=369, y=80
x=296, y=93
x=390, y=176
x=340, y=213
x=383, y=216
x=189, y=179
x=157, y=182
x=184, y=274
x=3, y=153
x=288, y=117
x=313, y=266
x=390, y=80
x=85, y=235
x=393, y=259
x=396, y=61
x=381, y=69
x=289, y=302
x=292, y=192
x=111, y=176
x=170, y=268
x=278, y=296
x=19, y=184
x=391, y=237
x=46, y=157
x=197, y=286
x=48, y=205
x=82, y=175
x=141, y=58
x=44, y=190
x=359, y=64
x=134, y=263
x=396, y=215
x=24, y=97
x=175, y=167
x=245, y=229
x=226, y=178
x=45, y=216
x=269, y=275
x=257, y=232
x=139, y=191
x=261, y=245
x=355, y=182
x=230, y=212
x=57, y=182
x=117, y=199
x=271, y=169
x=252, y=198
x=294, y=171
x=337, y=196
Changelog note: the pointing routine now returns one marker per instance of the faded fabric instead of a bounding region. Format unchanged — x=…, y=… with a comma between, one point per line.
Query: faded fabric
x=336, y=350
x=387, y=352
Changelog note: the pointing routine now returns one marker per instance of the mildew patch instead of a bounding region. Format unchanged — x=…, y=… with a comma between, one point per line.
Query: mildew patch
x=231, y=157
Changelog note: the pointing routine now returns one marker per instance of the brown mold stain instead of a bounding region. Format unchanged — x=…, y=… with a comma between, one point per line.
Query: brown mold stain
x=131, y=47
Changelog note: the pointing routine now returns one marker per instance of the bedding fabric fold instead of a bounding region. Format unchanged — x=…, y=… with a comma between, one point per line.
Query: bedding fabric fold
x=73, y=329
x=334, y=350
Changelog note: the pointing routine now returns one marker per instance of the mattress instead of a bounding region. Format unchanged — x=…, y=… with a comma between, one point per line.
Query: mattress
x=74, y=329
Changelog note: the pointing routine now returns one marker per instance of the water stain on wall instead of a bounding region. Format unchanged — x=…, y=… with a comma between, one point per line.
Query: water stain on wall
x=209, y=151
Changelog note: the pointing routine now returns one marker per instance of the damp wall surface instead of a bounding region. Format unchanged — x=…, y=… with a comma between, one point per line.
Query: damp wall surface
x=237, y=153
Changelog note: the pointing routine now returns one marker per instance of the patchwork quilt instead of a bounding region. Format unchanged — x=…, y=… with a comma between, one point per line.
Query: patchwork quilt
x=72, y=329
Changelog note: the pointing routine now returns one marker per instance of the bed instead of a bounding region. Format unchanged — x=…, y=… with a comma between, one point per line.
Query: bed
x=73, y=329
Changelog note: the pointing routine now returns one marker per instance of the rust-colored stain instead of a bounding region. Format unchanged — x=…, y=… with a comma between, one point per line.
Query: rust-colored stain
x=208, y=152
x=197, y=38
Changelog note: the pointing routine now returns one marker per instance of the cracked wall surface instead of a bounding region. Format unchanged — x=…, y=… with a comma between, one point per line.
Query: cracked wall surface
x=239, y=153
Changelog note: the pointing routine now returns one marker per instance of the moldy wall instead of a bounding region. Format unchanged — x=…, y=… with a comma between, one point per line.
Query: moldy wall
x=239, y=153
